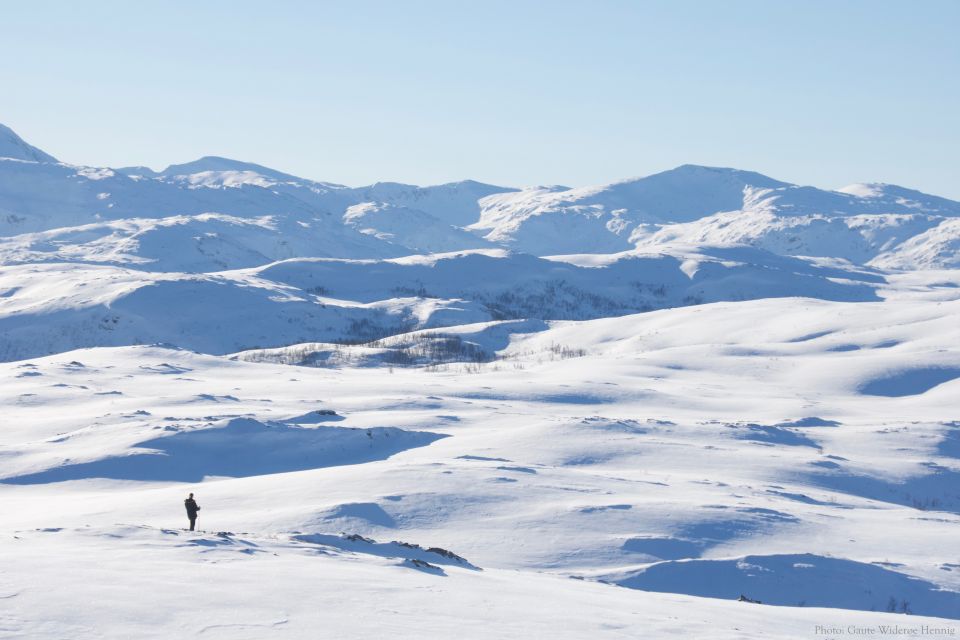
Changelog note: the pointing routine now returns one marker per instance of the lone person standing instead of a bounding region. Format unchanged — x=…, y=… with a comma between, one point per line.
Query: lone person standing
x=192, y=508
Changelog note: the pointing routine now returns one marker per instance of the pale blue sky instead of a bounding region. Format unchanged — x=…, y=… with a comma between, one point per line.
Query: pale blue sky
x=520, y=92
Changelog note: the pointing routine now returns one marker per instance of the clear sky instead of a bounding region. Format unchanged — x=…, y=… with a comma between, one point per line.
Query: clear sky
x=822, y=92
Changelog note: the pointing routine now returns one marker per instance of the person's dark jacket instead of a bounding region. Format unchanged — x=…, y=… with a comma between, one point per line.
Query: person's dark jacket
x=192, y=508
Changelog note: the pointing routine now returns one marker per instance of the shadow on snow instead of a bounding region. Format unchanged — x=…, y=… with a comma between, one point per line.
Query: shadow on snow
x=240, y=448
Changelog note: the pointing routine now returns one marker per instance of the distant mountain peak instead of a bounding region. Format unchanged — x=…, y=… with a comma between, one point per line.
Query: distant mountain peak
x=213, y=171
x=752, y=178
x=13, y=146
x=219, y=163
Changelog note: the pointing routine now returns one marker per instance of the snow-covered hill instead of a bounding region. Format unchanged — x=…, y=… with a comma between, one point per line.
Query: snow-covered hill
x=52, y=307
x=638, y=409
x=599, y=219
x=457, y=203
x=414, y=229
x=860, y=239
x=800, y=453
x=41, y=196
x=712, y=206
x=200, y=243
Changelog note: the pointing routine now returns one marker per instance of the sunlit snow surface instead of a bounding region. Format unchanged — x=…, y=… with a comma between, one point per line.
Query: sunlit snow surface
x=473, y=411
x=670, y=460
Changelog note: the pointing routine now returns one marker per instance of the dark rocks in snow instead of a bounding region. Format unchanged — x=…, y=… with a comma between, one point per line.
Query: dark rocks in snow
x=394, y=549
x=447, y=554
x=356, y=537
x=424, y=566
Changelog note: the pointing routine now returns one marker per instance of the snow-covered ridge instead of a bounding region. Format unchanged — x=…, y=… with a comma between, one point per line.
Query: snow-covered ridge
x=14, y=147
x=51, y=307
x=692, y=204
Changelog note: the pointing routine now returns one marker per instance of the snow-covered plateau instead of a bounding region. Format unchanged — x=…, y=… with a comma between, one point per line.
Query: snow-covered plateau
x=700, y=404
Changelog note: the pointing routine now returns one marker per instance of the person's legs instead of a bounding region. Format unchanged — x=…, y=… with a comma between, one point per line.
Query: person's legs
x=193, y=522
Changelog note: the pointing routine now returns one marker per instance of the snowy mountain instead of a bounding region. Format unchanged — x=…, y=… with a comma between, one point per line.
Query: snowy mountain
x=14, y=147
x=43, y=196
x=705, y=205
x=649, y=408
x=145, y=256
x=540, y=220
x=687, y=205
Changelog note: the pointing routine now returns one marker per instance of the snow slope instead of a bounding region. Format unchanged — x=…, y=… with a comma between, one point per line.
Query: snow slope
x=936, y=248
x=684, y=457
x=411, y=228
x=331, y=592
x=201, y=243
x=13, y=146
x=456, y=203
x=858, y=239
x=51, y=307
